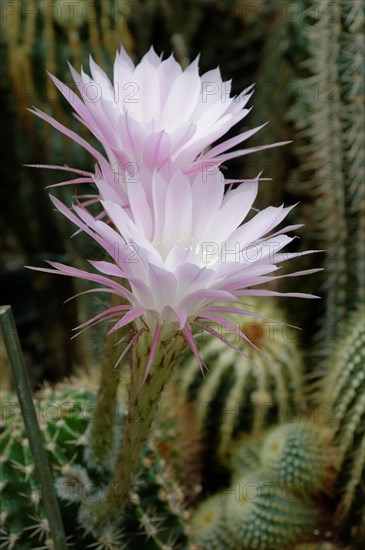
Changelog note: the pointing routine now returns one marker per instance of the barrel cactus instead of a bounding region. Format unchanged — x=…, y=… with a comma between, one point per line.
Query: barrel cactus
x=300, y=455
x=248, y=392
x=253, y=514
x=155, y=515
x=63, y=418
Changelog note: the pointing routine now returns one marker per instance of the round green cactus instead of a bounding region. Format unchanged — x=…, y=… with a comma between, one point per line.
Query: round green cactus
x=300, y=455
x=155, y=515
x=208, y=525
x=248, y=392
x=262, y=515
x=63, y=416
x=254, y=513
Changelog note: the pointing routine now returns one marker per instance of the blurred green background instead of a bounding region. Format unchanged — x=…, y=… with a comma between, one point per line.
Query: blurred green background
x=307, y=60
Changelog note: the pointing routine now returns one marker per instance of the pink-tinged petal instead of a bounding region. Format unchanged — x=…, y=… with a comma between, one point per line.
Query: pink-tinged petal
x=123, y=58
x=60, y=269
x=107, y=268
x=72, y=135
x=109, y=312
x=259, y=225
x=74, y=219
x=187, y=85
x=242, y=152
x=179, y=256
x=102, y=80
x=193, y=67
x=192, y=277
x=136, y=249
x=155, y=341
x=129, y=346
x=229, y=143
x=265, y=251
x=239, y=102
x=157, y=149
x=164, y=286
x=192, y=345
x=198, y=299
x=140, y=208
x=168, y=72
x=285, y=256
x=235, y=206
x=147, y=92
x=64, y=168
x=112, y=193
x=208, y=190
x=128, y=318
x=75, y=181
x=178, y=209
x=81, y=109
x=132, y=134
x=159, y=188
x=257, y=292
x=142, y=293
x=181, y=136
x=151, y=57
x=181, y=316
x=103, y=319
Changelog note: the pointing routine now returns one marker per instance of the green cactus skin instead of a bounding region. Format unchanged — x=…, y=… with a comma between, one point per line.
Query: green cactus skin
x=300, y=455
x=246, y=393
x=155, y=517
x=255, y=520
x=253, y=514
x=343, y=387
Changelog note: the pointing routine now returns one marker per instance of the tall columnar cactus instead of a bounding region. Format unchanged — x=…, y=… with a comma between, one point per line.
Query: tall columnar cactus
x=248, y=392
x=343, y=389
x=253, y=514
x=155, y=516
x=330, y=119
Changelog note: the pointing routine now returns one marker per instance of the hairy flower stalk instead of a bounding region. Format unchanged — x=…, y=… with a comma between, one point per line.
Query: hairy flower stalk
x=102, y=436
x=144, y=395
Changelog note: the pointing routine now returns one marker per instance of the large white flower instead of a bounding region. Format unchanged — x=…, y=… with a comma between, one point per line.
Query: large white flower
x=155, y=116
x=184, y=252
